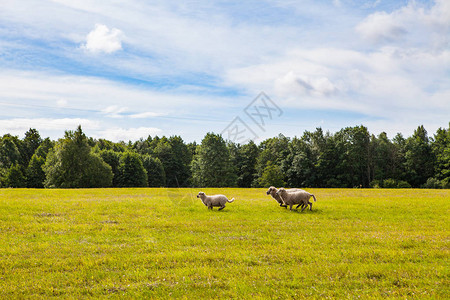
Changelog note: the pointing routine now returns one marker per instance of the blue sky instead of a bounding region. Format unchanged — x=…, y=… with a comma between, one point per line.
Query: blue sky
x=129, y=69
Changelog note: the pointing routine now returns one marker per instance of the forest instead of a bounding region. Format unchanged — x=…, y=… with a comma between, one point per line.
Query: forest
x=349, y=158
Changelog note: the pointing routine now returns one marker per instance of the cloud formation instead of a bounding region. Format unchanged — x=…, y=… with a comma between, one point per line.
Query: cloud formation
x=18, y=126
x=131, y=134
x=145, y=115
x=103, y=39
x=381, y=26
x=382, y=60
x=414, y=22
x=304, y=85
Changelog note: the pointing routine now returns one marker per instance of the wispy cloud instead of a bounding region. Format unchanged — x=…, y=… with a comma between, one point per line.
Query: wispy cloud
x=144, y=115
x=137, y=66
x=131, y=134
x=114, y=111
x=18, y=126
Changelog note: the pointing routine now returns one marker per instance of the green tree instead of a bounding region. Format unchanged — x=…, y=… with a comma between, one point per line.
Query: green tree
x=14, y=177
x=3, y=172
x=183, y=160
x=399, y=167
x=383, y=157
x=131, y=172
x=271, y=175
x=300, y=164
x=102, y=144
x=9, y=151
x=35, y=174
x=176, y=158
x=272, y=150
x=212, y=166
x=192, y=147
x=419, y=158
x=31, y=142
x=357, y=140
x=155, y=171
x=143, y=146
x=441, y=150
x=332, y=164
x=45, y=146
x=112, y=158
x=244, y=158
x=71, y=164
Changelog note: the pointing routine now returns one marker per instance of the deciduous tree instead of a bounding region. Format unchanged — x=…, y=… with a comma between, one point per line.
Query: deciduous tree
x=71, y=164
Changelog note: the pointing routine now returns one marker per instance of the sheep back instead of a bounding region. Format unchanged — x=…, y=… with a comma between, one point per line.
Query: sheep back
x=216, y=200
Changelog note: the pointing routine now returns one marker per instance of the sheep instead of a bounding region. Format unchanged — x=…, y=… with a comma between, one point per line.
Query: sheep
x=214, y=200
x=273, y=192
x=297, y=197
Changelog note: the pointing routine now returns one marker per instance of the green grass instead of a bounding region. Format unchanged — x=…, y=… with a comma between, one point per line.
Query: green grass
x=159, y=243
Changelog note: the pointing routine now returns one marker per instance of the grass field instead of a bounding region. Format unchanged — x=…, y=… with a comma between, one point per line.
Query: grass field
x=159, y=243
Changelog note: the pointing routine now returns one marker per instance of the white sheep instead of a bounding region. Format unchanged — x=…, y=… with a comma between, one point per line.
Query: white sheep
x=298, y=197
x=273, y=192
x=214, y=200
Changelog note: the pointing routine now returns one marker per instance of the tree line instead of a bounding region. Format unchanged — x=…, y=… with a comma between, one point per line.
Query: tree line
x=351, y=157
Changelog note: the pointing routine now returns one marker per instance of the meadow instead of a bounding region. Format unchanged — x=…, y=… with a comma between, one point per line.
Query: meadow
x=164, y=243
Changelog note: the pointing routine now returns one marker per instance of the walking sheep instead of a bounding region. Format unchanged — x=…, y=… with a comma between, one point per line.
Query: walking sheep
x=214, y=200
x=273, y=192
x=297, y=197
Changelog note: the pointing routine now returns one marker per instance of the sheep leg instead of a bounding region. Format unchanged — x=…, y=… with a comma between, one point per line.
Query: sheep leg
x=222, y=207
x=290, y=206
x=304, y=207
x=310, y=205
x=300, y=205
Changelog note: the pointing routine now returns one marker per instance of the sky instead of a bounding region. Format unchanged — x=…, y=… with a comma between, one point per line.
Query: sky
x=251, y=69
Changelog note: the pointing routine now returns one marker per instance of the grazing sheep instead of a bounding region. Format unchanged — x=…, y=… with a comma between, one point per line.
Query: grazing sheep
x=273, y=192
x=214, y=200
x=298, y=197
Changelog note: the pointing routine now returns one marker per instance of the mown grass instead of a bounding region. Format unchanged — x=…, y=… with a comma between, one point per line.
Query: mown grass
x=159, y=243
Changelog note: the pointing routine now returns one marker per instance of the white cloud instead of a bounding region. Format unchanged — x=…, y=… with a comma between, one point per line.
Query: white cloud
x=304, y=85
x=381, y=26
x=56, y=128
x=419, y=26
x=61, y=103
x=144, y=115
x=114, y=111
x=440, y=14
x=337, y=3
x=103, y=39
x=18, y=126
x=96, y=95
x=386, y=83
x=299, y=61
x=34, y=95
x=131, y=134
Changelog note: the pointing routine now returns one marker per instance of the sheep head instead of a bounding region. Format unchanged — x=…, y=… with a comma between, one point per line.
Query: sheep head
x=270, y=190
x=281, y=191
